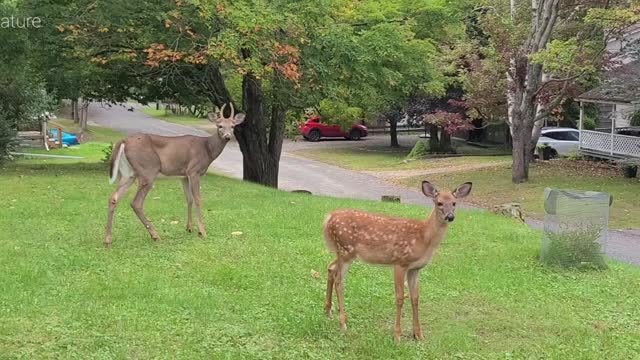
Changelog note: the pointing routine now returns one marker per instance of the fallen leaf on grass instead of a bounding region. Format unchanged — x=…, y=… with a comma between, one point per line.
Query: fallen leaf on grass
x=315, y=274
x=236, y=233
x=175, y=222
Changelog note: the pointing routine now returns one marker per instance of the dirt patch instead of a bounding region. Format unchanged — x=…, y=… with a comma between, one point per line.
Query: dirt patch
x=401, y=174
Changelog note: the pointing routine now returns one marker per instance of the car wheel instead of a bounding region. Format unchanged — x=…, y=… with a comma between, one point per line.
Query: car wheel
x=355, y=134
x=314, y=135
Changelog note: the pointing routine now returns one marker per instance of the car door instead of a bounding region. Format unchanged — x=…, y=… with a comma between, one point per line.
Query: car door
x=333, y=130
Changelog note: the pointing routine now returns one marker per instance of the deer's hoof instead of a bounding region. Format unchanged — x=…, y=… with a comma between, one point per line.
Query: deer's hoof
x=155, y=238
x=189, y=230
x=343, y=327
x=396, y=338
x=418, y=336
x=327, y=311
x=202, y=234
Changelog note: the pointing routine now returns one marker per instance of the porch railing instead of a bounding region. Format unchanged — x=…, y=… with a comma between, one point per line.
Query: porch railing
x=610, y=143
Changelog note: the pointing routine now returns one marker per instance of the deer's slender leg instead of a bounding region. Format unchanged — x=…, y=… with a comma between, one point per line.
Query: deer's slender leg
x=331, y=269
x=194, y=184
x=138, y=206
x=123, y=186
x=399, y=276
x=413, y=277
x=189, y=196
x=340, y=272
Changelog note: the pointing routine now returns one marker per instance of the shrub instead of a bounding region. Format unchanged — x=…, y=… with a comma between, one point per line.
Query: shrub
x=634, y=119
x=420, y=150
x=107, y=153
x=7, y=137
x=575, y=248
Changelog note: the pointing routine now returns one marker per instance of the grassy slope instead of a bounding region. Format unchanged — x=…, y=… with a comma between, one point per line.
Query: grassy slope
x=494, y=186
x=253, y=296
x=360, y=159
x=176, y=119
x=91, y=149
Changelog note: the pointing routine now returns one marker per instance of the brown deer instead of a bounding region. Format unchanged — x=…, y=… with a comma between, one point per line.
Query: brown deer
x=145, y=157
x=407, y=245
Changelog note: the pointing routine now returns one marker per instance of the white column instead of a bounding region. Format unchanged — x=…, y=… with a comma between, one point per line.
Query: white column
x=580, y=125
x=613, y=127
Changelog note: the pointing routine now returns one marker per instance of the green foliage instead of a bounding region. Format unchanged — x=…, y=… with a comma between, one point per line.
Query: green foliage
x=107, y=153
x=420, y=150
x=573, y=155
x=574, y=248
x=634, y=119
x=7, y=137
x=338, y=112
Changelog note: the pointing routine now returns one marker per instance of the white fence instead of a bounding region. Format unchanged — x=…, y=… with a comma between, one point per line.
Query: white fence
x=612, y=144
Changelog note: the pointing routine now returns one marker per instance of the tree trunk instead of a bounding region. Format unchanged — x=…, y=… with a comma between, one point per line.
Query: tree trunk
x=522, y=151
x=445, y=142
x=434, y=139
x=393, y=129
x=75, y=116
x=260, y=159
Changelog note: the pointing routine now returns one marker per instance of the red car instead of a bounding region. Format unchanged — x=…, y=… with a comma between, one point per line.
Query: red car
x=313, y=130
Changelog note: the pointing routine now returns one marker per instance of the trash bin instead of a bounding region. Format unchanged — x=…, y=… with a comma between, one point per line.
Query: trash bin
x=576, y=228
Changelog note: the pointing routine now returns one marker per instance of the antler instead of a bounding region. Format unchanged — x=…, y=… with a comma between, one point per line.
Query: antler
x=232, y=111
x=222, y=111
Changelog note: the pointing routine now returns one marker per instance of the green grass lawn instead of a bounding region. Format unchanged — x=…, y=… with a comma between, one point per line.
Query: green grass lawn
x=253, y=296
x=96, y=140
x=493, y=187
x=388, y=159
x=187, y=120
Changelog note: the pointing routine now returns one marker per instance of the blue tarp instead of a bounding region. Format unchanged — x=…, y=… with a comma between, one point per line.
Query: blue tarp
x=67, y=139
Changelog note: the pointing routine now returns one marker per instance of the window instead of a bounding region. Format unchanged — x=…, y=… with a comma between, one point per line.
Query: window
x=563, y=135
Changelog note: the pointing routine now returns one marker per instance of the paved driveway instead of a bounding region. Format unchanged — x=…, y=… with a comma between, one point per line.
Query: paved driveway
x=298, y=173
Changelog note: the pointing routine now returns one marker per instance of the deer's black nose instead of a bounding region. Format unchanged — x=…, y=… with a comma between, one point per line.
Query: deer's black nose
x=450, y=217
x=227, y=137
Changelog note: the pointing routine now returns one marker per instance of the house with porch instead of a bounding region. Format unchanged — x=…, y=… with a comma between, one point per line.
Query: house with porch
x=618, y=98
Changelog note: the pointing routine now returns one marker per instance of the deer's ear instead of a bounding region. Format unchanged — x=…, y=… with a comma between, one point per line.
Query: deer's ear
x=238, y=119
x=429, y=190
x=463, y=190
x=213, y=117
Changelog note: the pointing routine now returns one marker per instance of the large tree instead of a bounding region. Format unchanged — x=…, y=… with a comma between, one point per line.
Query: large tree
x=267, y=58
x=551, y=50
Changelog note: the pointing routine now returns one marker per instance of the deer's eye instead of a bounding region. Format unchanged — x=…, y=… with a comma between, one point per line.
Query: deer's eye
x=454, y=204
x=440, y=204
x=219, y=126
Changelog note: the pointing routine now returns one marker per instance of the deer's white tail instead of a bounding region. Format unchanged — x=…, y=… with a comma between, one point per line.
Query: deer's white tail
x=119, y=164
x=329, y=240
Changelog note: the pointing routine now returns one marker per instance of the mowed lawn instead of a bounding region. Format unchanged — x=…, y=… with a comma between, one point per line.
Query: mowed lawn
x=187, y=120
x=367, y=159
x=493, y=186
x=91, y=149
x=254, y=295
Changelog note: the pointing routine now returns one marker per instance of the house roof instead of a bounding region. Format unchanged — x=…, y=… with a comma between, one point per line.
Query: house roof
x=622, y=86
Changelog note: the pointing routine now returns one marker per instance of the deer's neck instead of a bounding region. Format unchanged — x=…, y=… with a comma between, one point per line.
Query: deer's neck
x=215, y=145
x=435, y=229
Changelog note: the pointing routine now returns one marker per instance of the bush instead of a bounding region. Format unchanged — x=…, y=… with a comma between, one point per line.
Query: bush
x=576, y=248
x=7, y=137
x=589, y=123
x=107, y=153
x=634, y=119
x=420, y=150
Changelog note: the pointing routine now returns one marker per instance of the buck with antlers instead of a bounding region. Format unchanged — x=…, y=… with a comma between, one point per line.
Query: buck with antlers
x=145, y=157
x=407, y=245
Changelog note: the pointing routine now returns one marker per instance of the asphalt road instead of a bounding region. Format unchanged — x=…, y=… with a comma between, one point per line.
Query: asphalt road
x=298, y=173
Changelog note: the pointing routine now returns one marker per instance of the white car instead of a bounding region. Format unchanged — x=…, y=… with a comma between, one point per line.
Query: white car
x=562, y=140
